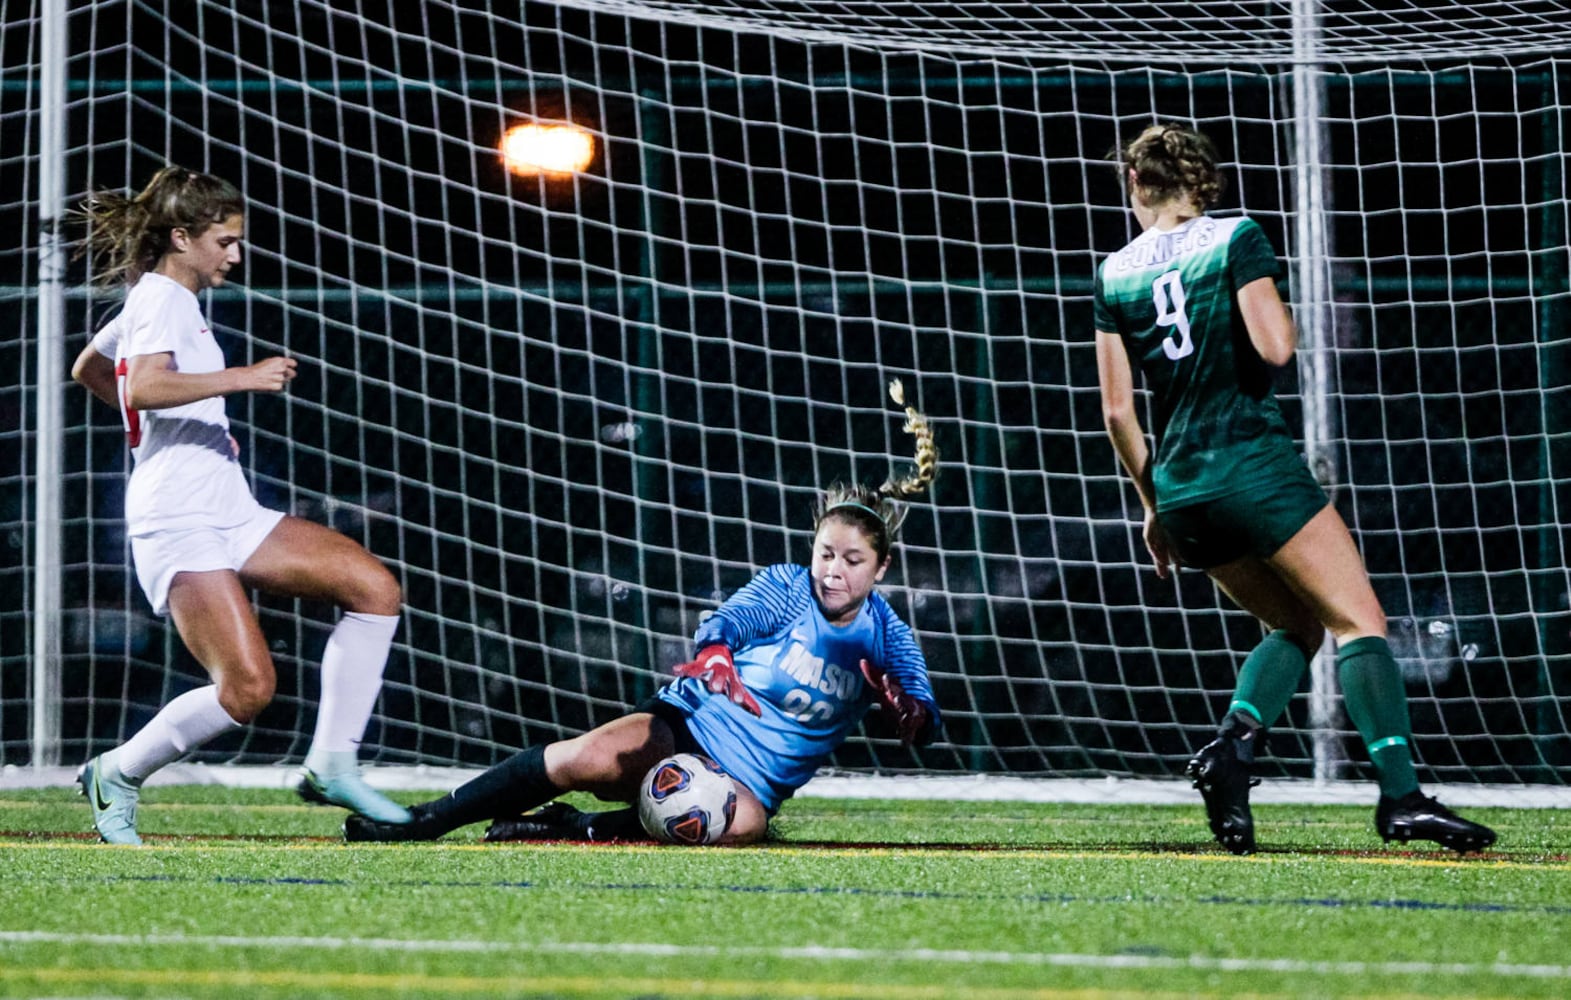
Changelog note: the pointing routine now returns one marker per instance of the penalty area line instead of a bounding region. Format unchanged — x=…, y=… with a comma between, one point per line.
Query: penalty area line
x=947, y=956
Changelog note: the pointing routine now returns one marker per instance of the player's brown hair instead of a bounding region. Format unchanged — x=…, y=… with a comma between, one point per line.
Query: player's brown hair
x=1171, y=162
x=126, y=235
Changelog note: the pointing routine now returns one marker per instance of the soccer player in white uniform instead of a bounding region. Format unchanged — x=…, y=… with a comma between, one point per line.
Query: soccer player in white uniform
x=783, y=671
x=199, y=539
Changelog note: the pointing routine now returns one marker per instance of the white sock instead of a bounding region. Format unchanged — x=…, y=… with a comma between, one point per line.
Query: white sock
x=352, y=668
x=184, y=724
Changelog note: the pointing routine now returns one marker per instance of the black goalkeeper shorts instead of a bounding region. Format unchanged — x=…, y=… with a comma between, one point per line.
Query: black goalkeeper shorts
x=676, y=719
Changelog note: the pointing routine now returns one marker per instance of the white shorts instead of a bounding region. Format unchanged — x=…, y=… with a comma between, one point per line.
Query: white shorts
x=158, y=556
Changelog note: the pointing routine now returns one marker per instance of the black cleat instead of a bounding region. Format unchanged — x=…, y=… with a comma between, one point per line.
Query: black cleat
x=1416, y=816
x=552, y=821
x=360, y=829
x=1224, y=781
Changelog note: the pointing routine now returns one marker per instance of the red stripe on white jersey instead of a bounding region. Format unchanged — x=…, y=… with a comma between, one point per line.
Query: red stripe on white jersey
x=131, y=419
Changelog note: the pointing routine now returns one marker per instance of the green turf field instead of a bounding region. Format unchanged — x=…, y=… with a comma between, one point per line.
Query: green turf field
x=244, y=893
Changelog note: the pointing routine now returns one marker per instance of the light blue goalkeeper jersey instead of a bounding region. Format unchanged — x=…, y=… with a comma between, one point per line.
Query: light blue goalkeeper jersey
x=805, y=674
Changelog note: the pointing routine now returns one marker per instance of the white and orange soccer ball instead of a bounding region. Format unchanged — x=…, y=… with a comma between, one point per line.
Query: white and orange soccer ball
x=686, y=799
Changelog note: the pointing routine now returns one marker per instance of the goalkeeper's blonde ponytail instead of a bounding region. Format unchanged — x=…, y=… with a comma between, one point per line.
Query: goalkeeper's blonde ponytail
x=880, y=512
x=917, y=426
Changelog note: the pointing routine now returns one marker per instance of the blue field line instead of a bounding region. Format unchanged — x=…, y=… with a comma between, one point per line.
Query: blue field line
x=1325, y=902
x=1390, y=904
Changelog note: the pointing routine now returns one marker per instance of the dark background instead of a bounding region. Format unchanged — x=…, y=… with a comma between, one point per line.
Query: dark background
x=574, y=414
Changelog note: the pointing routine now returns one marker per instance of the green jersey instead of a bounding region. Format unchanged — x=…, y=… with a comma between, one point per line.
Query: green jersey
x=1173, y=298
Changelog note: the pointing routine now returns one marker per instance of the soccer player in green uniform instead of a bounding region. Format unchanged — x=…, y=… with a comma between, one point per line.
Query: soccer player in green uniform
x=1192, y=303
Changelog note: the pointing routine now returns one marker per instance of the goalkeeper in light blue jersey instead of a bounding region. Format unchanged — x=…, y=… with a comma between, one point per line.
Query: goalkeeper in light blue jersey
x=798, y=660
x=784, y=671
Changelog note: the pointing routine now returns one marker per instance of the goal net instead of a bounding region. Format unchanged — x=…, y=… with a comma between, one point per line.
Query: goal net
x=573, y=412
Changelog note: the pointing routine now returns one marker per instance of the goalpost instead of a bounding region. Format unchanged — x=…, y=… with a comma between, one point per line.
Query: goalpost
x=573, y=412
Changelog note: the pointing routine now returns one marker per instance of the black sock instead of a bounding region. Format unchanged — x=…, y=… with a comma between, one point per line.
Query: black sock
x=1246, y=733
x=506, y=789
x=616, y=824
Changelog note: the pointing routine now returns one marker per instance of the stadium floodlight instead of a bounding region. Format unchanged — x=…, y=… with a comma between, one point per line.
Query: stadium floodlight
x=558, y=149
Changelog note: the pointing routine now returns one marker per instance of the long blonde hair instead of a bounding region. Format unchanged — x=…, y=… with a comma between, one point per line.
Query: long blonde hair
x=127, y=236
x=880, y=512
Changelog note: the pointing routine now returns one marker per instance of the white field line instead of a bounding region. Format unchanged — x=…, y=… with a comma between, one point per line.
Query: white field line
x=940, y=956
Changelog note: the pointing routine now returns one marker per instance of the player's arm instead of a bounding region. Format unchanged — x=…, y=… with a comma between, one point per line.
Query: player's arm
x=1270, y=325
x=912, y=718
x=1117, y=384
x=1129, y=439
x=716, y=669
x=757, y=610
x=96, y=373
x=152, y=383
x=900, y=682
x=754, y=611
x=1119, y=415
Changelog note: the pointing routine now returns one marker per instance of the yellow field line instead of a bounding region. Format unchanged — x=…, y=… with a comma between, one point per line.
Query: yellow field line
x=558, y=985
x=157, y=807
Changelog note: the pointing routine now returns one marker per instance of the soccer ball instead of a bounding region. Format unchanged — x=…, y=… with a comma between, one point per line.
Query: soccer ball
x=686, y=799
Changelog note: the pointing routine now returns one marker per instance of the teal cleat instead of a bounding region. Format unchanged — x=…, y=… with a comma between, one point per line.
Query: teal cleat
x=348, y=789
x=359, y=830
x=112, y=799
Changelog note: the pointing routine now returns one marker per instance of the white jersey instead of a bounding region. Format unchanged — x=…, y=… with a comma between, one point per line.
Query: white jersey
x=185, y=473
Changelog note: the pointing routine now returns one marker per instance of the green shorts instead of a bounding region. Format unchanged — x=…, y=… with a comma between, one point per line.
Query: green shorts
x=1252, y=522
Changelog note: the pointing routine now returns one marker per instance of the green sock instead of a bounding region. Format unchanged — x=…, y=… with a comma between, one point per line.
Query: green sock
x=1269, y=677
x=1377, y=703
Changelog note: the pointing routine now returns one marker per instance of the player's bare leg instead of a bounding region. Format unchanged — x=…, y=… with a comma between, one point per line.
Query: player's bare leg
x=1323, y=565
x=214, y=617
x=535, y=776
x=610, y=760
x=303, y=559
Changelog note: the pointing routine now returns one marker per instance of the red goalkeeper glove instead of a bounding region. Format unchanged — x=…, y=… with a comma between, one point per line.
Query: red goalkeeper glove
x=910, y=715
x=717, y=670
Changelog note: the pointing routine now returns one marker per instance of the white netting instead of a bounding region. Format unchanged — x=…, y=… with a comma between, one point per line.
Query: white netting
x=1166, y=32
x=572, y=415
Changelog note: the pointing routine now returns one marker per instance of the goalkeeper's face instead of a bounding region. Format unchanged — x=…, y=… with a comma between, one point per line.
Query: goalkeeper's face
x=845, y=569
